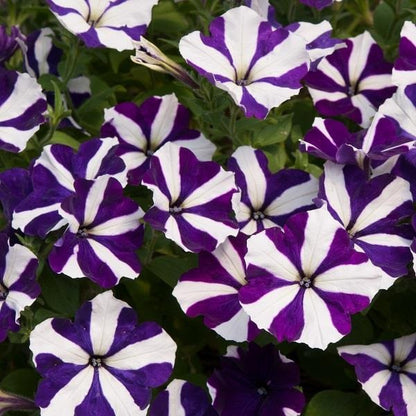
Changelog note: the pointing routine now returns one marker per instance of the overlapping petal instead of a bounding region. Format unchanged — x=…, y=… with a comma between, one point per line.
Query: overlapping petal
x=103, y=363
x=259, y=66
x=404, y=71
x=304, y=282
x=370, y=211
x=268, y=199
x=53, y=175
x=113, y=24
x=18, y=286
x=211, y=290
x=192, y=199
x=103, y=233
x=22, y=105
x=181, y=398
x=143, y=130
x=353, y=81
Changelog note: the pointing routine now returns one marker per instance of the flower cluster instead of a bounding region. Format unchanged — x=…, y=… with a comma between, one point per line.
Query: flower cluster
x=205, y=183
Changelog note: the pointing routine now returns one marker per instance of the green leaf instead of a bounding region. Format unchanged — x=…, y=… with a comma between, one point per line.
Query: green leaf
x=59, y=137
x=338, y=403
x=22, y=381
x=275, y=133
x=61, y=293
x=170, y=269
x=167, y=20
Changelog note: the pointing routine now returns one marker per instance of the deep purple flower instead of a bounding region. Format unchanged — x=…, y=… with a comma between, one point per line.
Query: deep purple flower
x=103, y=363
x=319, y=4
x=102, y=235
x=211, y=290
x=192, y=199
x=181, y=398
x=387, y=372
x=304, y=282
x=18, y=286
x=22, y=105
x=143, y=130
x=260, y=66
x=267, y=199
x=112, y=24
x=353, y=81
x=258, y=381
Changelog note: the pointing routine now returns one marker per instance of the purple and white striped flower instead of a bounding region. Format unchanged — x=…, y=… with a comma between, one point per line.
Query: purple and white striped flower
x=331, y=140
x=353, y=81
x=267, y=199
x=259, y=381
x=102, y=235
x=260, y=67
x=143, y=130
x=264, y=9
x=22, y=105
x=404, y=71
x=9, y=43
x=41, y=56
x=103, y=363
x=304, y=282
x=387, y=372
x=18, y=286
x=192, y=199
x=53, y=175
x=112, y=24
x=212, y=289
x=181, y=398
x=370, y=210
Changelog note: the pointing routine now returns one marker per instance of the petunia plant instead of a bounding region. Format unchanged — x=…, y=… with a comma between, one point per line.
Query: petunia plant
x=207, y=208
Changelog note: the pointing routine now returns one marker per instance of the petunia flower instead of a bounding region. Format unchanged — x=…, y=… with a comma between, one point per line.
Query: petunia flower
x=259, y=66
x=18, y=286
x=9, y=42
x=211, y=290
x=182, y=398
x=22, y=105
x=103, y=363
x=353, y=81
x=370, y=211
x=258, y=381
x=304, y=282
x=143, y=130
x=112, y=24
x=192, y=199
x=267, y=199
x=53, y=175
x=387, y=372
x=404, y=71
x=102, y=235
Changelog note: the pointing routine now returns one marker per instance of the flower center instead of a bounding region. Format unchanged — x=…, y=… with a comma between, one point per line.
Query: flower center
x=396, y=368
x=242, y=82
x=262, y=391
x=96, y=361
x=353, y=89
x=258, y=215
x=175, y=209
x=305, y=282
x=82, y=232
x=149, y=152
x=3, y=292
